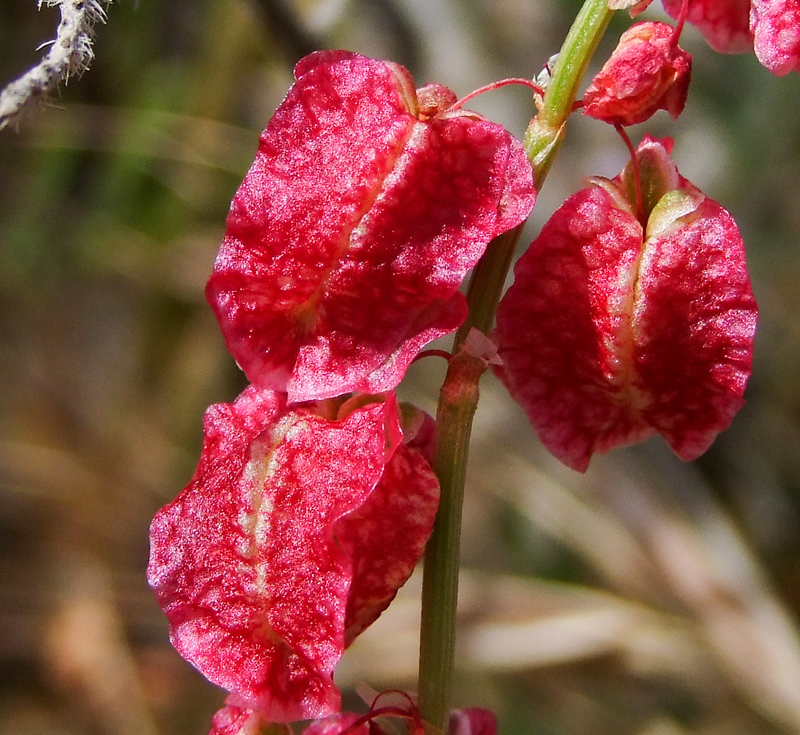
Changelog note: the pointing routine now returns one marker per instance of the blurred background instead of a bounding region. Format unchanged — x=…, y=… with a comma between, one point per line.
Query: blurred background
x=648, y=596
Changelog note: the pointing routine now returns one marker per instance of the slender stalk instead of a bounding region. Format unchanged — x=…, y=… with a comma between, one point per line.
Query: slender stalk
x=458, y=398
x=546, y=131
x=457, y=403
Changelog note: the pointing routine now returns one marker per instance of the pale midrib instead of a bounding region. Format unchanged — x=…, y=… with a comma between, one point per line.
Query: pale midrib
x=348, y=237
x=265, y=465
x=633, y=396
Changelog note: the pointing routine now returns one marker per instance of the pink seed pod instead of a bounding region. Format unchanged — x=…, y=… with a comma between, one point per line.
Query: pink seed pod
x=293, y=535
x=771, y=28
x=365, y=207
x=618, y=327
x=647, y=72
x=725, y=24
x=776, y=34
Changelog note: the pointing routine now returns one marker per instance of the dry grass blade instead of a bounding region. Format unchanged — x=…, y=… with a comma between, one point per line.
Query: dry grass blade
x=685, y=556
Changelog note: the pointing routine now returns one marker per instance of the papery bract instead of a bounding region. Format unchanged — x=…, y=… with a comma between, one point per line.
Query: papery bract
x=613, y=331
x=776, y=34
x=386, y=536
x=248, y=562
x=725, y=24
x=647, y=72
x=771, y=28
x=366, y=205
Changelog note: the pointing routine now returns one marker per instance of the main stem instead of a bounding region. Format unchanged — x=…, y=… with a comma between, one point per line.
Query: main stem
x=458, y=398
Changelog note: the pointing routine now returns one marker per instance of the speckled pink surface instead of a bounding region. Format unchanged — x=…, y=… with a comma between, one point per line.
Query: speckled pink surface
x=353, y=230
x=256, y=564
x=608, y=337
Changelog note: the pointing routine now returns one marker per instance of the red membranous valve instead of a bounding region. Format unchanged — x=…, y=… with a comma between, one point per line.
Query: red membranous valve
x=297, y=529
x=725, y=24
x=619, y=326
x=771, y=28
x=775, y=25
x=365, y=207
x=647, y=72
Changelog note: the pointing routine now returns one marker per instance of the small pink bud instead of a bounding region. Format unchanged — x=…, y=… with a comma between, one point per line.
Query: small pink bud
x=621, y=326
x=647, y=72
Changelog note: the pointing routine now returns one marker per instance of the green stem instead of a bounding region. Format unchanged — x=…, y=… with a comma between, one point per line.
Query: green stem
x=458, y=399
x=546, y=131
x=457, y=403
